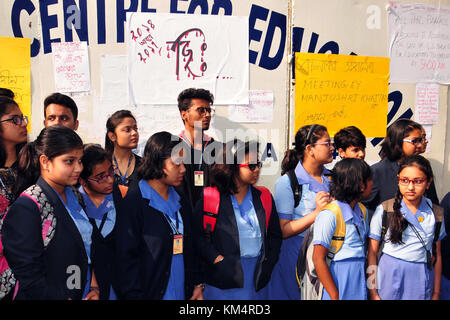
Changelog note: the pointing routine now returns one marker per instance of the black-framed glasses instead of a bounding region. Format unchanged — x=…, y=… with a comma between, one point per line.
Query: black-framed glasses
x=203, y=110
x=103, y=178
x=416, y=141
x=251, y=166
x=17, y=120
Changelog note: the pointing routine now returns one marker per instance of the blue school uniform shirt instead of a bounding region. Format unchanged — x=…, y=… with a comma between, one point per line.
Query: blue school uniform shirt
x=106, y=207
x=284, y=197
x=412, y=250
x=356, y=230
x=80, y=219
x=250, y=240
x=170, y=209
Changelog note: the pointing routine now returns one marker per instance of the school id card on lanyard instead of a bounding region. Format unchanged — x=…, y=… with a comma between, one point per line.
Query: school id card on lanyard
x=177, y=236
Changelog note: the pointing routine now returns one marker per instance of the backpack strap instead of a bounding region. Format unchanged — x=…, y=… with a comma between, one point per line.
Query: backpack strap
x=438, y=212
x=295, y=186
x=339, y=235
x=211, y=202
x=388, y=209
x=266, y=199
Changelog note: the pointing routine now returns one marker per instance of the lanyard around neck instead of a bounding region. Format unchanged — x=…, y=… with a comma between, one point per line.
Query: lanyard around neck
x=123, y=177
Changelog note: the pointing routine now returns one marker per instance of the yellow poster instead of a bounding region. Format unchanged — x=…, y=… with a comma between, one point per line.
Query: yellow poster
x=15, y=74
x=339, y=91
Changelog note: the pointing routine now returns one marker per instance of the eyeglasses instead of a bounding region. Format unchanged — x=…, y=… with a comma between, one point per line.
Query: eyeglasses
x=251, y=166
x=405, y=181
x=417, y=141
x=103, y=178
x=17, y=120
x=203, y=110
x=329, y=144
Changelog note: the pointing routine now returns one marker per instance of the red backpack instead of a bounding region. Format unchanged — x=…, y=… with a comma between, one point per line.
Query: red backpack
x=211, y=202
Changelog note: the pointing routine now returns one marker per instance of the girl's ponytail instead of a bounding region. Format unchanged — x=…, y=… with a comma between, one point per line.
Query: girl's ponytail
x=397, y=223
x=28, y=168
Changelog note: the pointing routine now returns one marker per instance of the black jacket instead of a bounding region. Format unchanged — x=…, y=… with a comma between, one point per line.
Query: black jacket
x=144, y=244
x=103, y=254
x=57, y=272
x=224, y=240
x=192, y=164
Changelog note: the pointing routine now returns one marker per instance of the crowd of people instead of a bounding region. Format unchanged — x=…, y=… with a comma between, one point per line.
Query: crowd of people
x=188, y=221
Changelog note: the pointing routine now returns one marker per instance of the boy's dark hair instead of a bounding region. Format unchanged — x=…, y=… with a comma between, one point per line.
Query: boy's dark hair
x=224, y=172
x=392, y=145
x=308, y=134
x=63, y=100
x=158, y=148
x=398, y=223
x=349, y=137
x=347, y=177
x=93, y=154
x=5, y=92
x=186, y=96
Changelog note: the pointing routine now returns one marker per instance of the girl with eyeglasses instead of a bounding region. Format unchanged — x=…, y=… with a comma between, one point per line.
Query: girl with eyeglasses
x=403, y=138
x=101, y=197
x=411, y=245
x=13, y=136
x=240, y=251
x=302, y=169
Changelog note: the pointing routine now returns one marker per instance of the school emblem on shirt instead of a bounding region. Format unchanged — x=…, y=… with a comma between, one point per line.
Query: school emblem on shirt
x=420, y=219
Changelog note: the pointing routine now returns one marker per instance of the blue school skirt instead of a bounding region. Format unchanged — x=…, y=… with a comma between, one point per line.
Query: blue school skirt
x=445, y=288
x=246, y=293
x=349, y=277
x=283, y=283
x=403, y=280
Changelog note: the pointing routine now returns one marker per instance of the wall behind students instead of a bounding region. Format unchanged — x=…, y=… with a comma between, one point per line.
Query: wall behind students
x=277, y=28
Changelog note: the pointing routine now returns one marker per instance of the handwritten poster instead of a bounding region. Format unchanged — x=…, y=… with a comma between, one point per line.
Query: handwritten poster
x=15, y=74
x=260, y=108
x=427, y=103
x=339, y=90
x=419, y=42
x=71, y=66
x=168, y=53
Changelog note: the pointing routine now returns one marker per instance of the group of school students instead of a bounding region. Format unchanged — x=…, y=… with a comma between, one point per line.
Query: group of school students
x=85, y=222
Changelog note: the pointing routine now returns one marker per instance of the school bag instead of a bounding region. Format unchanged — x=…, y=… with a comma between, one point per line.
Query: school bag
x=388, y=210
x=309, y=284
x=48, y=222
x=295, y=186
x=211, y=202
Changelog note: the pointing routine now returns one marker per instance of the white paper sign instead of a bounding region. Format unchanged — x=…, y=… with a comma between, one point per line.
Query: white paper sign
x=114, y=81
x=71, y=66
x=419, y=41
x=427, y=103
x=168, y=53
x=260, y=108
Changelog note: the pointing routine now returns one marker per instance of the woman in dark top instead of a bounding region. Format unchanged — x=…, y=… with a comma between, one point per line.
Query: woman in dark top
x=121, y=138
x=242, y=248
x=155, y=235
x=46, y=234
x=13, y=136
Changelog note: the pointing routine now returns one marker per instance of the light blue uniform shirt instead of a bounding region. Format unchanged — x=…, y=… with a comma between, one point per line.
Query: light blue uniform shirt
x=284, y=197
x=354, y=243
x=106, y=207
x=80, y=219
x=250, y=240
x=412, y=250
